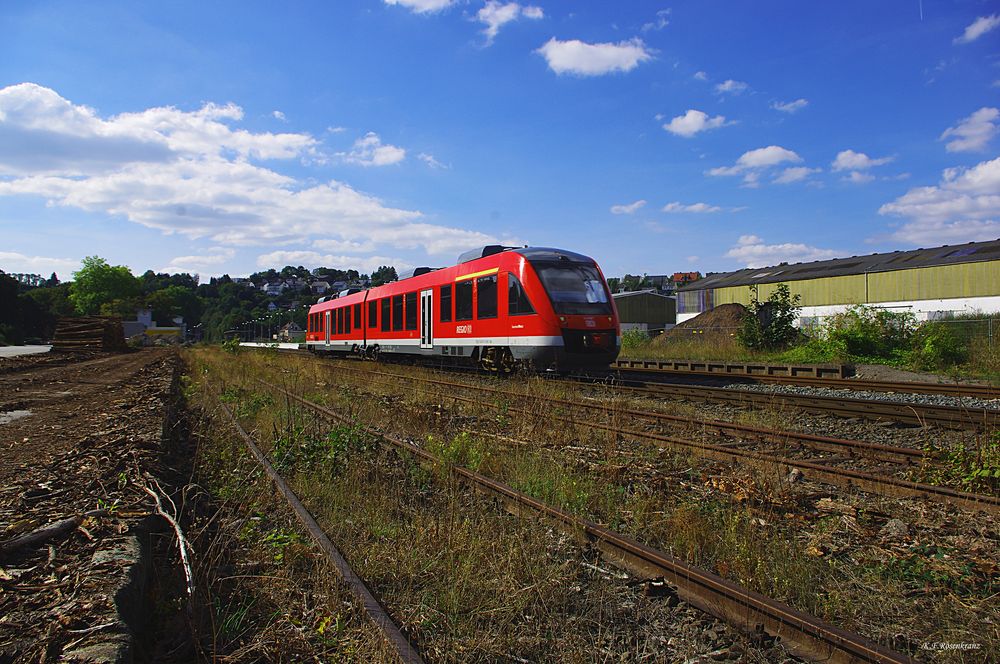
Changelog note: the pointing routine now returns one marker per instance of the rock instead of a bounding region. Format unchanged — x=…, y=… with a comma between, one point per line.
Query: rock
x=894, y=529
x=794, y=476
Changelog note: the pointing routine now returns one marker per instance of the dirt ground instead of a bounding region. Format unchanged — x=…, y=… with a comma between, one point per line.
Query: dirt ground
x=84, y=437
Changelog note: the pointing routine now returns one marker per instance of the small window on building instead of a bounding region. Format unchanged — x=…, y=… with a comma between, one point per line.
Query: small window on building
x=463, y=300
x=411, y=311
x=518, y=303
x=486, y=304
x=446, y=303
x=372, y=314
x=397, y=312
x=347, y=320
x=386, y=314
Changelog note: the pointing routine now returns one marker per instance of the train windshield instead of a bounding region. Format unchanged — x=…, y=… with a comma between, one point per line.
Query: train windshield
x=574, y=288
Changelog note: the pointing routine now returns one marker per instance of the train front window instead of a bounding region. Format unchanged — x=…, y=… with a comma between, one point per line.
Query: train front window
x=574, y=288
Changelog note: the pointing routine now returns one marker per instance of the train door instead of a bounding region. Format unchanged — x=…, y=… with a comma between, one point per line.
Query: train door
x=427, y=318
x=327, y=327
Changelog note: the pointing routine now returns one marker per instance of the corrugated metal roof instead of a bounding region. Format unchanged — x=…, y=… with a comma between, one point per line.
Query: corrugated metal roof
x=972, y=252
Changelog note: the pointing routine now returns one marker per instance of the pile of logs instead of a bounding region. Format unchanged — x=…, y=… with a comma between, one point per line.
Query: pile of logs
x=89, y=333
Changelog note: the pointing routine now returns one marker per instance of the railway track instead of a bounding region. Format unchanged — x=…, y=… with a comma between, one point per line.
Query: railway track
x=660, y=368
x=747, y=610
x=823, y=469
x=406, y=652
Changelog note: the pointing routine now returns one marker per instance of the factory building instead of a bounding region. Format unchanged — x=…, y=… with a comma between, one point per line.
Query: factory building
x=929, y=283
x=646, y=310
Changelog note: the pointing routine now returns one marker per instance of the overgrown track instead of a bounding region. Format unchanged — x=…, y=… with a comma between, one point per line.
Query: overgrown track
x=665, y=369
x=820, y=469
x=395, y=637
x=949, y=417
x=751, y=612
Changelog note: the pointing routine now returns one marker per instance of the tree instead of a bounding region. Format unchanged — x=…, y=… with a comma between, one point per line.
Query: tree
x=770, y=324
x=383, y=275
x=99, y=287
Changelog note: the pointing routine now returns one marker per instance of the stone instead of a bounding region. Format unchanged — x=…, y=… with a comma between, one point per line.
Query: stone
x=894, y=529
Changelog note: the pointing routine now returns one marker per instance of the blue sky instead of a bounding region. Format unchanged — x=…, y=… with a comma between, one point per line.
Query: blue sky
x=226, y=137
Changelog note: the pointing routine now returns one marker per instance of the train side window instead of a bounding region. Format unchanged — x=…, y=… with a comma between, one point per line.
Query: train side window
x=397, y=312
x=518, y=303
x=372, y=313
x=347, y=320
x=486, y=304
x=446, y=303
x=386, y=314
x=463, y=300
x=340, y=321
x=411, y=311
x=357, y=317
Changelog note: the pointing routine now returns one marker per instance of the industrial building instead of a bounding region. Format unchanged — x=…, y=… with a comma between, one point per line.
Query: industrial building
x=930, y=283
x=646, y=310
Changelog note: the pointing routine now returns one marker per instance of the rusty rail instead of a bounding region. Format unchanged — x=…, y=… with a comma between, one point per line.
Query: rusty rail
x=747, y=610
x=395, y=637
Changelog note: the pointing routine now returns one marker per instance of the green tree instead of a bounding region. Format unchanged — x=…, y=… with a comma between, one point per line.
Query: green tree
x=769, y=325
x=383, y=275
x=99, y=287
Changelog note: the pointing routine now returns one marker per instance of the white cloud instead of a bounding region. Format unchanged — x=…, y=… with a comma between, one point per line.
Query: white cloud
x=278, y=115
x=495, y=15
x=627, y=209
x=963, y=207
x=314, y=259
x=659, y=23
x=700, y=76
x=857, y=177
x=752, y=252
x=790, y=106
x=750, y=163
x=429, y=159
x=691, y=260
x=974, y=132
x=193, y=174
x=849, y=160
x=14, y=262
x=583, y=59
x=978, y=28
x=203, y=264
x=696, y=208
x=369, y=151
x=730, y=86
x=693, y=122
x=794, y=174
x=422, y=6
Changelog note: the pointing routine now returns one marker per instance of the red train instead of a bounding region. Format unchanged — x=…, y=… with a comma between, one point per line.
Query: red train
x=499, y=308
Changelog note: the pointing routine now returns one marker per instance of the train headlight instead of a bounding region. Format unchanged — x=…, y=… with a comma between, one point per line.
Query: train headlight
x=562, y=319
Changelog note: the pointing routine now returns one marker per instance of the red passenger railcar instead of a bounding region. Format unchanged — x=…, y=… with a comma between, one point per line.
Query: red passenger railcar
x=500, y=307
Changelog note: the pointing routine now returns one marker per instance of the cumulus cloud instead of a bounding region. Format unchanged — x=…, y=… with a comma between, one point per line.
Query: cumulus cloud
x=422, y=6
x=193, y=173
x=849, y=160
x=857, y=177
x=661, y=21
x=697, y=208
x=627, y=209
x=753, y=252
x=494, y=15
x=700, y=76
x=583, y=59
x=278, y=115
x=693, y=122
x=732, y=87
x=978, y=28
x=794, y=174
x=208, y=264
x=14, y=262
x=963, y=207
x=370, y=151
x=972, y=134
x=752, y=163
x=790, y=106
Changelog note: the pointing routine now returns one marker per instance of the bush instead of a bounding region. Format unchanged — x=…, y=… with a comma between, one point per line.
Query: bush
x=937, y=346
x=873, y=333
x=634, y=338
x=770, y=325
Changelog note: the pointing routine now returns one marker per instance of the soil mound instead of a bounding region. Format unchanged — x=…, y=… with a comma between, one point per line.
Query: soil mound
x=722, y=321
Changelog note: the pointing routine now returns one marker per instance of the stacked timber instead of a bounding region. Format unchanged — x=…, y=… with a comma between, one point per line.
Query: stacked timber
x=89, y=333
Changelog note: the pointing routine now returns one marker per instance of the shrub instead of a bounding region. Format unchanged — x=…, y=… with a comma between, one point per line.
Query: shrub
x=770, y=325
x=937, y=346
x=870, y=332
x=634, y=338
